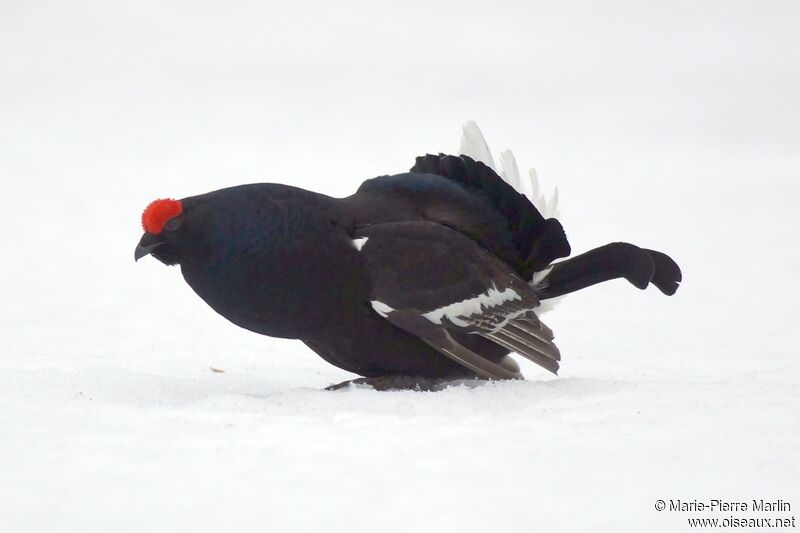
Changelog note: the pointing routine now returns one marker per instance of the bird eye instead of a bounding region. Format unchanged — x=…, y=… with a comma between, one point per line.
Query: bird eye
x=172, y=224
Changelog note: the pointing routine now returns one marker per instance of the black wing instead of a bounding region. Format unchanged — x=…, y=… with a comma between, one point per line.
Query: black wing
x=538, y=241
x=471, y=198
x=439, y=285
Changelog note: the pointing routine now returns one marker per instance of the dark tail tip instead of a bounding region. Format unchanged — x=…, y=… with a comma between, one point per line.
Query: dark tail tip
x=638, y=267
x=614, y=260
x=668, y=275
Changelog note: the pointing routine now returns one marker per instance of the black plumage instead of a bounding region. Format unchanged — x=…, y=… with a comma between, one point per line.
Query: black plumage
x=436, y=273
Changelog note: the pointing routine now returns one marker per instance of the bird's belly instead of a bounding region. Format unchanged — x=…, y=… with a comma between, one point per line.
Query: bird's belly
x=367, y=344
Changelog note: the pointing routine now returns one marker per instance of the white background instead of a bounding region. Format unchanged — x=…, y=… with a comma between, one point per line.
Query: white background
x=673, y=125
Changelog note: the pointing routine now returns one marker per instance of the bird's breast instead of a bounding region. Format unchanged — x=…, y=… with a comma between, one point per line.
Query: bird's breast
x=286, y=289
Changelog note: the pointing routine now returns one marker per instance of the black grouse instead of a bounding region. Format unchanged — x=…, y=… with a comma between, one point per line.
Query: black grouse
x=432, y=274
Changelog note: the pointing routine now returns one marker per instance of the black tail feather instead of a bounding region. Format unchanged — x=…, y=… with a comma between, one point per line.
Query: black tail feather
x=537, y=241
x=668, y=274
x=615, y=260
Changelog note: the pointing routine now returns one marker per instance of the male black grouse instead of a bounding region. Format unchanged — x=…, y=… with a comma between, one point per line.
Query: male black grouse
x=433, y=274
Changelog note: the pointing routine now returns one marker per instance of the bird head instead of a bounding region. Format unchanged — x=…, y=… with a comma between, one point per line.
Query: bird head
x=165, y=234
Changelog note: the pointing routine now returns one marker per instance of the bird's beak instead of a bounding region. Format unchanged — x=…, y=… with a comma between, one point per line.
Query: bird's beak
x=148, y=243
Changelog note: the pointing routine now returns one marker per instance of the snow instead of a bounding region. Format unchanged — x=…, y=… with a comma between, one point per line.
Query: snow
x=672, y=126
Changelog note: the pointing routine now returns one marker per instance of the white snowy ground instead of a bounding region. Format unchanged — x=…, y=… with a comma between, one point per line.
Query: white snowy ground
x=674, y=125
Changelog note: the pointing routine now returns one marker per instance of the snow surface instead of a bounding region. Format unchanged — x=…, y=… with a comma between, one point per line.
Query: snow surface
x=673, y=126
